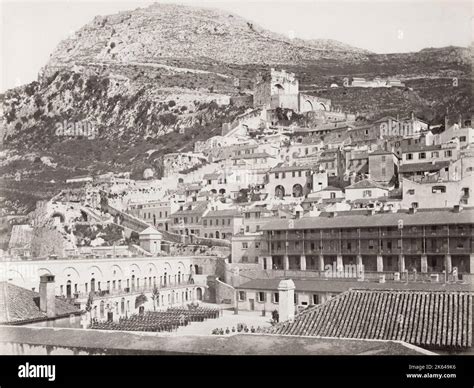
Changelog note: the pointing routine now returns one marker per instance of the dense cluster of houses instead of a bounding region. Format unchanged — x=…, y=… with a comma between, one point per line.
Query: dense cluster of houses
x=390, y=199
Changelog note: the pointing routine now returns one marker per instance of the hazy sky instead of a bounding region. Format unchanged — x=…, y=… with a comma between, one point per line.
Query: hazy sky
x=31, y=30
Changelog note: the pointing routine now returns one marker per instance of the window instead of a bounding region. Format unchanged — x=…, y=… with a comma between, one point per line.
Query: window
x=411, y=192
x=315, y=299
x=409, y=157
x=276, y=297
x=367, y=193
x=276, y=175
x=283, y=175
x=414, y=205
x=257, y=245
x=448, y=153
x=435, y=154
x=204, y=222
x=245, y=245
x=384, y=172
x=371, y=244
x=384, y=158
x=332, y=195
x=422, y=155
x=462, y=138
x=438, y=189
x=261, y=297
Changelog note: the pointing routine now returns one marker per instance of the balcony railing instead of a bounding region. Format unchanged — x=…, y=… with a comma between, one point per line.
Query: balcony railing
x=132, y=290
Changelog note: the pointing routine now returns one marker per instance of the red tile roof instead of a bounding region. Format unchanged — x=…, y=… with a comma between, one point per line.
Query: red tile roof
x=437, y=319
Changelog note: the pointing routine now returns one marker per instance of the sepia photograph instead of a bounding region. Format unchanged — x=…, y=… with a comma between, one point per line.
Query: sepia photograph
x=193, y=188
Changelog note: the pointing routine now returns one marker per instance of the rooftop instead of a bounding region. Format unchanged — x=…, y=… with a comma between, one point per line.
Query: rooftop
x=339, y=285
x=437, y=319
x=434, y=217
x=197, y=207
x=366, y=184
x=416, y=167
x=223, y=213
x=20, y=304
x=252, y=156
x=290, y=168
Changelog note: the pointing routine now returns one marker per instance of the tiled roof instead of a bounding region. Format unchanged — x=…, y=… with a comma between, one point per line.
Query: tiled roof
x=20, y=304
x=150, y=231
x=436, y=319
x=436, y=217
x=366, y=184
x=331, y=188
x=381, y=152
x=212, y=176
x=253, y=156
x=223, y=213
x=422, y=147
x=415, y=167
x=339, y=285
x=198, y=207
x=290, y=168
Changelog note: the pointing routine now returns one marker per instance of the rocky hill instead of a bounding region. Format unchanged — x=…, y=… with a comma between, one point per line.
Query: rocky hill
x=164, y=31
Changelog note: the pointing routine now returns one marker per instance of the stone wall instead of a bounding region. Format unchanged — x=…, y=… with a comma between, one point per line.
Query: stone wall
x=242, y=101
x=225, y=293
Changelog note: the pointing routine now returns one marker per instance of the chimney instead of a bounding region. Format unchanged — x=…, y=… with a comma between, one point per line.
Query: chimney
x=47, y=295
x=446, y=123
x=286, y=300
x=460, y=120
